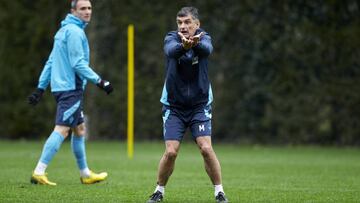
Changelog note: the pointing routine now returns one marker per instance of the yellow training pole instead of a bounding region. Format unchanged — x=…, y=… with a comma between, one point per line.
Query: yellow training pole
x=130, y=118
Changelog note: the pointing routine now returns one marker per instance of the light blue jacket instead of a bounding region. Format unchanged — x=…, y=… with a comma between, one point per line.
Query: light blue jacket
x=68, y=65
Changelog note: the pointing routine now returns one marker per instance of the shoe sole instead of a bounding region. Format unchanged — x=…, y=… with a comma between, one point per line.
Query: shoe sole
x=32, y=181
x=98, y=181
x=35, y=182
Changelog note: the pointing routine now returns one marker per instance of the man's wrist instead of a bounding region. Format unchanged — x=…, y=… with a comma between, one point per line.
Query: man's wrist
x=185, y=47
x=40, y=90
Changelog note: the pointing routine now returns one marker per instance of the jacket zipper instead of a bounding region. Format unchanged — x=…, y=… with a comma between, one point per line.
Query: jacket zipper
x=188, y=92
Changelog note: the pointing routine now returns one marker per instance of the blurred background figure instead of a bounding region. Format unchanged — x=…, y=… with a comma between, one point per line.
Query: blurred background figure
x=67, y=70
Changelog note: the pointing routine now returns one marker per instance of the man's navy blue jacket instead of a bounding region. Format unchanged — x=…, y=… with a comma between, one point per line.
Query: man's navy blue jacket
x=187, y=82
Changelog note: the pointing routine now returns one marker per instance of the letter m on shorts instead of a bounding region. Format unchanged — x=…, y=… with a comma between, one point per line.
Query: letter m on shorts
x=201, y=128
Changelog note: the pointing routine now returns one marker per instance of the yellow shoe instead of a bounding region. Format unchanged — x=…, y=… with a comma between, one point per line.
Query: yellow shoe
x=93, y=178
x=41, y=179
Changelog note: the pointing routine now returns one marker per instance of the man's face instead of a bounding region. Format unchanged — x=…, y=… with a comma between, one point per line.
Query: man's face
x=187, y=25
x=83, y=10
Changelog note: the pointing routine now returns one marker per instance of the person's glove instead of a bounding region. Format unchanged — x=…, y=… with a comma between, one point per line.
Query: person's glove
x=35, y=97
x=106, y=86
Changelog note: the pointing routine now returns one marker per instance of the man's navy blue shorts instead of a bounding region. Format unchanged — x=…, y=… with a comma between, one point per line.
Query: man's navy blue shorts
x=176, y=121
x=69, y=108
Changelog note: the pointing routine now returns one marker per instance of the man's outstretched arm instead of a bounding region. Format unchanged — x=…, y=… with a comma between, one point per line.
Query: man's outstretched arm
x=204, y=46
x=172, y=47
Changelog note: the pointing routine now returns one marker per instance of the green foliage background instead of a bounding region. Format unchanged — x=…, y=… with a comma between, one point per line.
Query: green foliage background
x=283, y=72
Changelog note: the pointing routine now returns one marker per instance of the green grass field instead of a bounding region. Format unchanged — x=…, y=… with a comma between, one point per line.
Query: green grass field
x=250, y=174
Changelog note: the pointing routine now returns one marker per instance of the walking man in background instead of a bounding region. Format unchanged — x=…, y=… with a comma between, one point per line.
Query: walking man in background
x=67, y=70
x=186, y=99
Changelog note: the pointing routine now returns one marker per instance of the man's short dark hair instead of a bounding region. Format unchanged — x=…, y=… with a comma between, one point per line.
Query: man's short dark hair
x=185, y=11
x=73, y=4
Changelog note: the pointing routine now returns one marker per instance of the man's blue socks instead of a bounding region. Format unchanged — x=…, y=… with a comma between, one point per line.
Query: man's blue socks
x=52, y=145
x=78, y=148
